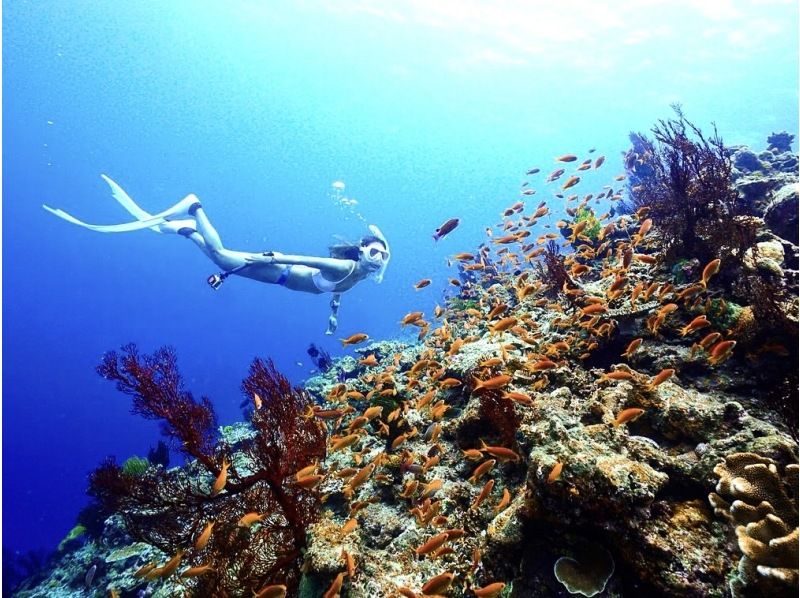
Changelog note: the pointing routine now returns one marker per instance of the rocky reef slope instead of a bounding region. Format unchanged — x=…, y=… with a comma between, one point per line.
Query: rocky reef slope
x=611, y=419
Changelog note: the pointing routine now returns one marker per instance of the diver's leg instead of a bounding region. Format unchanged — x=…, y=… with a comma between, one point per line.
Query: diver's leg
x=205, y=228
x=206, y=237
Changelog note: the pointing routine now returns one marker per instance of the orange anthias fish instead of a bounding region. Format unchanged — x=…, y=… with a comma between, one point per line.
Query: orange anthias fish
x=309, y=481
x=504, y=501
x=489, y=591
x=503, y=324
x=485, y=491
x=349, y=563
x=721, y=351
x=634, y=344
x=567, y=158
x=343, y=442
x=662, y=376
x=492, y=383
x=422, y=283
x=710, y=270
x=271, y=591
x=336, y=587
x=501, y=452
x=204, y=536
x=196, y=571
x=349, y=526
x=438, y=584
x=370, y=360
x=482, y=469
x=541, y=365
x=145, y=569
x=571, y=182
x=411, y=317
x=699, y=322
x=359, y=337
x=432, y=544
x=519, y=397
x=555, y=473
x=250, y=518
x=497, y=310
x=709, y=339
x=372, y=412
x=491, y=362
x=628, y=415
x=169, y=567
x=222, y=478
x=542, y=211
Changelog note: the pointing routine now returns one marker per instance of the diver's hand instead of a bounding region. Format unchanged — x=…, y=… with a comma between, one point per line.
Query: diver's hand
x=268, y=257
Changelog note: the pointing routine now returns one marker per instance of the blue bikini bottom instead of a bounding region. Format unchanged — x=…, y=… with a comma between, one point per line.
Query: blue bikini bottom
x=284, y=276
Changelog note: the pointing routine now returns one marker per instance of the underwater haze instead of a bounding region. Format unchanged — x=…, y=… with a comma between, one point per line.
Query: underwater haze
x=295, y=123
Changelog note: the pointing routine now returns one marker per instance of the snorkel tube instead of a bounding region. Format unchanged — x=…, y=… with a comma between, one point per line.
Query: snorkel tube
x=378, y=275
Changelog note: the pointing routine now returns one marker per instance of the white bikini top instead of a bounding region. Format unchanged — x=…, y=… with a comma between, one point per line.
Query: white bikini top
x=328, y=286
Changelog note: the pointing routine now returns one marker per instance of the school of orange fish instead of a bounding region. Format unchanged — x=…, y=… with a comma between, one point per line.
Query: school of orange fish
x=377, y=408
x=581, y=325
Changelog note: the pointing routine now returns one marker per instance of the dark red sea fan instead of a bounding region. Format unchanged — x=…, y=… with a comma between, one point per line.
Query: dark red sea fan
x=287, y=439
x=169, y=508
x=689, y=192
x=555, y=273
x=157, y=390
x=500, y=417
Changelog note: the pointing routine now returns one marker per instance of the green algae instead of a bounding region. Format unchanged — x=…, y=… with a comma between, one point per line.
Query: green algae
x=76, y=532
x=135, y=466
x=592, y=229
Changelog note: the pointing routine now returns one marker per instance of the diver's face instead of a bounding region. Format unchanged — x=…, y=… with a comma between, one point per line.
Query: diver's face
x=374, y=255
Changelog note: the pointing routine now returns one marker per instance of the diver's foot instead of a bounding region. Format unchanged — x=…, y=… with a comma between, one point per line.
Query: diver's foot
x=184, y=209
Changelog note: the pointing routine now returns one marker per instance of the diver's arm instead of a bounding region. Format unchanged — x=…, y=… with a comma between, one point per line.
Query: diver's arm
x=328, y=265
x=333, y=320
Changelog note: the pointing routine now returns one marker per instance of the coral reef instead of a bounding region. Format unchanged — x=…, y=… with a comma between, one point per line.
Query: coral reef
x=762, y=504
x=688, y=191
x=555, y=427
x=235, y=514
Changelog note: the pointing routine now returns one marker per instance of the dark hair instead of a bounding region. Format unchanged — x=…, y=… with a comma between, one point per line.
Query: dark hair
x=349, y=251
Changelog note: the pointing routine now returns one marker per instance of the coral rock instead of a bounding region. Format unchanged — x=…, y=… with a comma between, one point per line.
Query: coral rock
x=781, y=214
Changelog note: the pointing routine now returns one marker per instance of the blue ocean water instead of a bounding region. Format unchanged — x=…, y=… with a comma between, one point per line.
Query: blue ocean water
x=425, y=113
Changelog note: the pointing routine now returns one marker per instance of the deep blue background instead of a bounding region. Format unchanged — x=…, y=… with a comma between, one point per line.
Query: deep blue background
x=425, y=113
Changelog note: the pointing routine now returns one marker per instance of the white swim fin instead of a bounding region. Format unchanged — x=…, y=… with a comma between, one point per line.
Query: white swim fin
x=157, y=222
x=125, y=200
x=109, y=228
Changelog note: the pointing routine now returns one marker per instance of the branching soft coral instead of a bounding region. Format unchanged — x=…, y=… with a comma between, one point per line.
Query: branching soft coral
x=287, y=440
x=157, y=390
x=170, y=509
x=555, y=273
x=685, y=180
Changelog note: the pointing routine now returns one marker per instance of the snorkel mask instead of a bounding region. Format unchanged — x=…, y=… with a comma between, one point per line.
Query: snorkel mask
x=377, y=255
